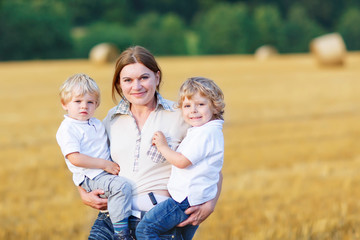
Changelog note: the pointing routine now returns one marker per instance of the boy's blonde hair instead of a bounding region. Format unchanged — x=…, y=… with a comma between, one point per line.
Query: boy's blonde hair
x=79, y=85
x=207, y=88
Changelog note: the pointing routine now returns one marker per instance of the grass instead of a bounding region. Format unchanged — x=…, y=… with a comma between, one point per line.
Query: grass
x=292, y=155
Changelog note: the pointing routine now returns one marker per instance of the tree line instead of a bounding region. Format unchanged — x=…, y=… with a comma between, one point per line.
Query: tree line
x=49, y=29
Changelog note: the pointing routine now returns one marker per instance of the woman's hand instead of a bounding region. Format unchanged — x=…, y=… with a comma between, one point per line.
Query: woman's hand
x=198, y=213
x=93, y=199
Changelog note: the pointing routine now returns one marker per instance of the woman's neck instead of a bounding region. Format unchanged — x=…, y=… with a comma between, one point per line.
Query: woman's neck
x=142, y=112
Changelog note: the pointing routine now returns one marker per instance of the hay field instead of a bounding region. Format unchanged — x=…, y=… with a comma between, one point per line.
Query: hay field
x=292, y=154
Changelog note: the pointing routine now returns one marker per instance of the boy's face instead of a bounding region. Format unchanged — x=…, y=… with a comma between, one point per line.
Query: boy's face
x=197, y=111
x=81, y=107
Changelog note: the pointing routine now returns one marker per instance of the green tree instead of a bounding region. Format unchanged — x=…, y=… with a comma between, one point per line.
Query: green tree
x=325, y=13
x=30, y=30
x=172, y=36
x=268, y=25
x=146, y=31
x=122, y=11
x=164, y=35
x=85, y=12
x=349, y=28
x=298, y=31
x=102, y=32
x=224, y=29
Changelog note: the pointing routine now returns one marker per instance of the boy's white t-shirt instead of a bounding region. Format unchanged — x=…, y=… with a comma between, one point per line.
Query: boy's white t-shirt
x=86, y=137
x=204, y=147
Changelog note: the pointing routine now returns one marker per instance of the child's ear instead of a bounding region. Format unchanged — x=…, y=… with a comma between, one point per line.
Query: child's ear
x=64, y=106
x=215, y=112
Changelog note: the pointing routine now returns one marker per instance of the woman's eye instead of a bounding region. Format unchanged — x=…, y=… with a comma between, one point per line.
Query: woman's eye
x=186, y=106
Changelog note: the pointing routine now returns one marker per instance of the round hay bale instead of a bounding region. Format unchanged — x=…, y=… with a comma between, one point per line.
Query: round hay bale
x=265, y=52
x=103, y=53
x=329, y=49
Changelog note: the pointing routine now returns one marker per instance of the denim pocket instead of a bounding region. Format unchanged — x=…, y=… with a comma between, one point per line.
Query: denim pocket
x=103, y=215
x=167, y=236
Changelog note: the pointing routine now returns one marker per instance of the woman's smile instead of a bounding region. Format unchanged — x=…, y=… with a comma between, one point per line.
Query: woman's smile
x=138, y=94
x=138, y=84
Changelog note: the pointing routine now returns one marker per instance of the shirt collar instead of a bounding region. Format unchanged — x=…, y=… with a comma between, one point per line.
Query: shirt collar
x=213, y=123
x=90, y=121
x=124, y=106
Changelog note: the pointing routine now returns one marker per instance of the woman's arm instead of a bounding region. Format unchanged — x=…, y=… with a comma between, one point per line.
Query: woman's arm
x=173, y=157
x=92, y=198
x=200, y=212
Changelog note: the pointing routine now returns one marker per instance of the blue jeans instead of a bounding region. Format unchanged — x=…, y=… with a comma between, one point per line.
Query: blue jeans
x=117, y=191
x=163, y=217
x=103, y=229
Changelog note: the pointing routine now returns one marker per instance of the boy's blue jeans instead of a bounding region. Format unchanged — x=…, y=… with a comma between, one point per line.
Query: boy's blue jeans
x=103, y=229
x=164, y=217
x=117, y=190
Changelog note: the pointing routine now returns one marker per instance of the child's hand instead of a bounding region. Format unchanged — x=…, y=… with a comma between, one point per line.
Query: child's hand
x=159, y=139
x=111, y=167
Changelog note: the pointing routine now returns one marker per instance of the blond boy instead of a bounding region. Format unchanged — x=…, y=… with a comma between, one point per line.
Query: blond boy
x=84, y=144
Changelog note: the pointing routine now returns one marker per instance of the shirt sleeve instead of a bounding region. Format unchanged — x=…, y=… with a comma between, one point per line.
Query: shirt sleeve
x=196, y=147
x=68, y=140
x=202, y=144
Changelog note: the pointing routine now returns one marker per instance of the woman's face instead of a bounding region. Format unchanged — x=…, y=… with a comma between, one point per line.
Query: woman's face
x=138, y=84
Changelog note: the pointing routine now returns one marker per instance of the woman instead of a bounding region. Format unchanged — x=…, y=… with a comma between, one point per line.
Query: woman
x=130, y=127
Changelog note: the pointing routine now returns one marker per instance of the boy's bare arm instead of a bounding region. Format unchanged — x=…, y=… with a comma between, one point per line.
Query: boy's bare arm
x=85, y=161
x=175, y=158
